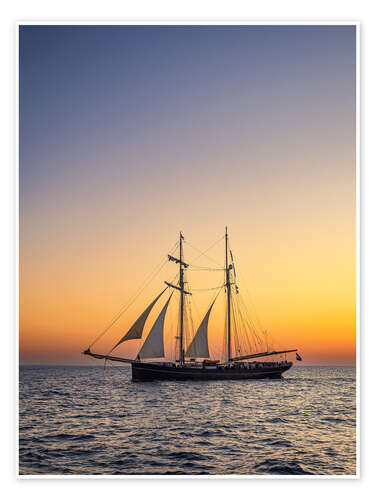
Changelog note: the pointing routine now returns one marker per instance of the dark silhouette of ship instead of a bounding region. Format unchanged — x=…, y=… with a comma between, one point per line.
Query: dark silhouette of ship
x=195, y=362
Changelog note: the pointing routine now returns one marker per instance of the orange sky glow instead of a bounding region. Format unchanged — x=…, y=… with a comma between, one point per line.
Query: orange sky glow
x=125, y=143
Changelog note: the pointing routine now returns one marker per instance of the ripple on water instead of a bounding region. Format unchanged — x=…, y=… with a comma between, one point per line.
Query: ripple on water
x=82, y=420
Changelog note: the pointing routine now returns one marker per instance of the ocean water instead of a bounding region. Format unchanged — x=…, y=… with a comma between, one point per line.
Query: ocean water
x=84, y=420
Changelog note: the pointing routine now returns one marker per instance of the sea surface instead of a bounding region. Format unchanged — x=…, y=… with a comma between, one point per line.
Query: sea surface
x=84, y=420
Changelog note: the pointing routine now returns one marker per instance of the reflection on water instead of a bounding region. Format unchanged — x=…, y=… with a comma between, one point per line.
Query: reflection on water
x=82, y=420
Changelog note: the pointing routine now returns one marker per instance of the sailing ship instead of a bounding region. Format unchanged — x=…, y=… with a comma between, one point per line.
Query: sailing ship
x=195, y=362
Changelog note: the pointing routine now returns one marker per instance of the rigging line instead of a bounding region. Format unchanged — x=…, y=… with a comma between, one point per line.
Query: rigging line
x=213, y=300
x=126, y=306
x=199, y=268
x=244, y=285
x=225, y=339
x=235, y=327
x=206, y=289
x=205, y=267
x=236, y=335
x=204, y=253
x=256, y=339
x=249, y=324
x=173, y=334
x=244, y=326
x=197, y=313
x=273, y=342
x=248, y=315
x=189, y=333
x=249, y=321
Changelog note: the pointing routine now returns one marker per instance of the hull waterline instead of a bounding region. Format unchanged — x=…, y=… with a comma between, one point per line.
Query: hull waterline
x=144, y=372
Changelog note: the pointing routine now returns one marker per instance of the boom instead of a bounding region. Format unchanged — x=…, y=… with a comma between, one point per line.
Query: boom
x=110, y=358
x=261, y=354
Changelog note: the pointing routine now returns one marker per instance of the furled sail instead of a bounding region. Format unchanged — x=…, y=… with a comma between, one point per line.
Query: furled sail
x=153, y=346
x=136, y=330
x=199, y=345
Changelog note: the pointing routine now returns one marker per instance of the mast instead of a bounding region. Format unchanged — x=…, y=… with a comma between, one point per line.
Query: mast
x=228, y=285
x=183, y=292
x=182, y=267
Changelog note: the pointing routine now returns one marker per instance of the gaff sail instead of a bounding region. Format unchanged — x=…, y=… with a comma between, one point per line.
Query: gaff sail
x=153, y=346
x=199, y=345
x=136, y=330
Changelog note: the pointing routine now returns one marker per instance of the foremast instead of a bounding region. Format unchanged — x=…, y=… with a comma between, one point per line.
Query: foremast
x=183, y=292
x=228, y=287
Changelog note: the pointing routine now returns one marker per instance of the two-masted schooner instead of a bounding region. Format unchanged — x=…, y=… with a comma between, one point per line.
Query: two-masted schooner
x=194, y=363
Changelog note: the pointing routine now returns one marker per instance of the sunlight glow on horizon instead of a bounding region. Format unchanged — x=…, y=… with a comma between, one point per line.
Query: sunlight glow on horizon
x=130, y=134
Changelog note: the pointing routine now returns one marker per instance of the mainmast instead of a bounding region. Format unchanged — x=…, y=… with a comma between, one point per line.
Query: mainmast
x=182, y=267
x=228, y=285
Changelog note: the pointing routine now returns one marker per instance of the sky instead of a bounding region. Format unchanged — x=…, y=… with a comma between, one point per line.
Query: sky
x=129, y=134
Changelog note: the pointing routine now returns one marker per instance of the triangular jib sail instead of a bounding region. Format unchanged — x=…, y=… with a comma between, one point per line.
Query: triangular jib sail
x=199, y=345
x=136, y=330
x=153, y=346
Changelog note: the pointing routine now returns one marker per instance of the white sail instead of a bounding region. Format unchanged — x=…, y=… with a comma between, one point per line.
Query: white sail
x=136, y=330
x=199, y=345
x=153, y=346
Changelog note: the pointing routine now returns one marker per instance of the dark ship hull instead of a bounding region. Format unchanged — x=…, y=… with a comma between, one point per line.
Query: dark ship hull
x=144, y=372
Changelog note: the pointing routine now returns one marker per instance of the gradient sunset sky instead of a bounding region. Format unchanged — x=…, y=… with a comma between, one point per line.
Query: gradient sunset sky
x=129, y=134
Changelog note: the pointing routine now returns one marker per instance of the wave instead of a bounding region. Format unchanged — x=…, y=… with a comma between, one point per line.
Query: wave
x=275, y=466
x=74, y=422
